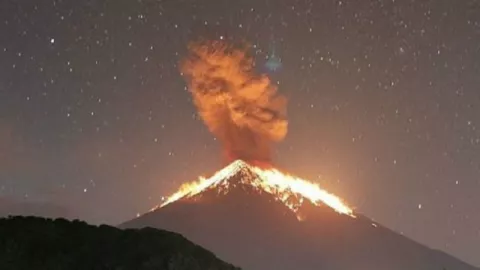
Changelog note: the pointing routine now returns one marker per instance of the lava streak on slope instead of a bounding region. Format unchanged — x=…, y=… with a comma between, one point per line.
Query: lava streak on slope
x=282, y=186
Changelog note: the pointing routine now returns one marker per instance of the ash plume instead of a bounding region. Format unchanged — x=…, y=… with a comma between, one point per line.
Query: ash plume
x=241, y=108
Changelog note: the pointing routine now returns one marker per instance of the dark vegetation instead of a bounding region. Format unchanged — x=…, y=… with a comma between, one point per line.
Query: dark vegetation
x=38, y=243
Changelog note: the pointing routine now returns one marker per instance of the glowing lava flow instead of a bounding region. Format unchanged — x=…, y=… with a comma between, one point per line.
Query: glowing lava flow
x=272, y=181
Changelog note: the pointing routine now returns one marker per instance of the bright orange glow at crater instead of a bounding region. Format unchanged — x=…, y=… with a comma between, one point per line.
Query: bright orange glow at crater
x=282, y=186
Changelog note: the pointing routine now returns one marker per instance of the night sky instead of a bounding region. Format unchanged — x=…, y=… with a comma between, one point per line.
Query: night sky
x=384, y=104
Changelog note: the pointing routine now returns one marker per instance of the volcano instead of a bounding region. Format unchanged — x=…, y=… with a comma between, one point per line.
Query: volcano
x=261, y=219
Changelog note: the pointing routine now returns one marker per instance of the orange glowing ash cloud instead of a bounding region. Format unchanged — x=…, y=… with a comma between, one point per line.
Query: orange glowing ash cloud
x=241, y=108
x=270, y=180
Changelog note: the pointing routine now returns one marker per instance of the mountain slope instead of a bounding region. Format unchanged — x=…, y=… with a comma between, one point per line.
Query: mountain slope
x=37, y=243
x=252, y=228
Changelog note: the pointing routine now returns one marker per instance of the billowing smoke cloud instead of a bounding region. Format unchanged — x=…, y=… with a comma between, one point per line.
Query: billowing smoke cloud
x=242, y=109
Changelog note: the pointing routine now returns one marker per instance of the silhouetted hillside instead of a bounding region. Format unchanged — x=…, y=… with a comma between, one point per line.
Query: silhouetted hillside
x=38, y=243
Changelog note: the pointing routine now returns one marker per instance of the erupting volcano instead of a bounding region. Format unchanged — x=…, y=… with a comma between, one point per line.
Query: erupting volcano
x=259, y=217
x=247, y=114
x=290, y=190
x=262, y=219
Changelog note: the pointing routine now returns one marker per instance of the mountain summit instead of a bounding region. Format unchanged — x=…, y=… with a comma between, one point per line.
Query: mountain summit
x=290, y=190
x=260, y=218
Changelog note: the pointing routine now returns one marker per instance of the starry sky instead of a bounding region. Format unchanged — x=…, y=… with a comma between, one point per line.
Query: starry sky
x=384, y=104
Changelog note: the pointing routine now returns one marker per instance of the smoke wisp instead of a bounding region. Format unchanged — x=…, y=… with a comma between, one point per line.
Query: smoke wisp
x=242, y=109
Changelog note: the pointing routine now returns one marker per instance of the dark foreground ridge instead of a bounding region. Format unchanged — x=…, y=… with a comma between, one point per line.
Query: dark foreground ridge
x=39, y=243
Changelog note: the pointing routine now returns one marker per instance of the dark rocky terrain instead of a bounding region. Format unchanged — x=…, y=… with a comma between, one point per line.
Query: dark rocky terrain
x=28, y=243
